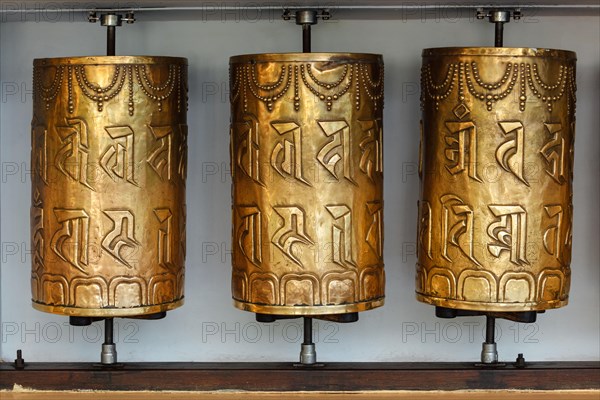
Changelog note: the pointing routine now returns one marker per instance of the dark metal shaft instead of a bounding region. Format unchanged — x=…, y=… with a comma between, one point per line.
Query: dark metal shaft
x=499, y=37
x=490, y=329
x=108, y=331
x=111, y=33
x=306, y=38
x=308, y=330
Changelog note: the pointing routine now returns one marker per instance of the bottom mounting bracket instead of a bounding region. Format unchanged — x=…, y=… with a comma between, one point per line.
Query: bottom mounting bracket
x=340, y=318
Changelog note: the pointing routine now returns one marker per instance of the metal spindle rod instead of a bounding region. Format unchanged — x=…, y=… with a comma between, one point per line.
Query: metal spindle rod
x=306, y=18
x=108, y=356
x=490, y=329
x=489, y=351
x=308, y=353
x=308, y=331
x=499, y=36
x=109, y=349
x=108, y=331
x=306, y=39
x=111, y=39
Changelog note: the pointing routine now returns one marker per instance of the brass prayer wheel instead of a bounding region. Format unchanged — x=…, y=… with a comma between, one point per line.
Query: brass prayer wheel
x=306, y=153
x=109, y=148
x=496, y=168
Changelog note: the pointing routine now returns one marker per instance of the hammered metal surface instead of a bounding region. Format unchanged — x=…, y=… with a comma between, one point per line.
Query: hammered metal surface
x=109, y=144
x=496, y=168
x=306, y=152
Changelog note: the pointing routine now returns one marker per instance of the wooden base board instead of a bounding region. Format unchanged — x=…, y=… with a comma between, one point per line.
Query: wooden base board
x=388, y=395
x=285, y=377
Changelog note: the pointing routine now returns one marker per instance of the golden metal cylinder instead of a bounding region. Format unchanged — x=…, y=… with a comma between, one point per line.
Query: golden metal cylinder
x=306, y=153
x=496, y=168
x=109, y=145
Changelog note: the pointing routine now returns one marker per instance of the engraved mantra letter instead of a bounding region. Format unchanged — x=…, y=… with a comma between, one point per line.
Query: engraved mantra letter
x=70, y=242
x=248, y=148
x=375, y=232
x=160, y=155
x=286, y=157
x=72, y=158
x=291, y=232
x=509, y=231
x=552, y=235
x=371, y=160
x=121, y=235
x=183, y=229
x=424, y=227
x=337, y=149
x=40, y=152
x=118, y=160
x=554, y=153
x=462, y=148
x=457, y=226
x=511, y=154
x=182, y=151
x=342, y=235
x=249, y=233
x=165, y=217
x=37, y=230
x=421, y=150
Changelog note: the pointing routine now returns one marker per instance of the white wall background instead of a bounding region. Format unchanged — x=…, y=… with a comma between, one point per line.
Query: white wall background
x=208, y=328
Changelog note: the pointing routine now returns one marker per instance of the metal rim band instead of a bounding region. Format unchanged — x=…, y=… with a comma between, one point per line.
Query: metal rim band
x=108, y=60
x=499, y=52
x=487, y=306
x=309, y=310
x=107, y=312
x=307, y=57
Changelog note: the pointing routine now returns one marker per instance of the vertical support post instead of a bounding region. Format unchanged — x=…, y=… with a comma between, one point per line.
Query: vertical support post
x=111, y=21
x=308, y=353
x=489, y=351
x=499, y=18
x=108, y=356
x=306, y=18
x=308, y=330
x=499, y=34
x=306, y=40
x=490, y=329
x=111, y=33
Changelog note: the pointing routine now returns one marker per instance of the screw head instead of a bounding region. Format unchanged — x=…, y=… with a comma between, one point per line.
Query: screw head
x=129, y=18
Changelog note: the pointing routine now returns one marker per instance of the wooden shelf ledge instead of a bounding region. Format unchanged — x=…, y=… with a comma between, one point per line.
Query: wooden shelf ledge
x=277, y=377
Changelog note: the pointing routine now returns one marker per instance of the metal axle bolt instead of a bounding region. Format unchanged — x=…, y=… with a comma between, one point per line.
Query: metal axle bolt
x=19, y=361
x=111, y=19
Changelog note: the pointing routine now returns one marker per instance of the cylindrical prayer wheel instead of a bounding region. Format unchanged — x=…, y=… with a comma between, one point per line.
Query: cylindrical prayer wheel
x=306, y=153
x=496, y=168
x=109, y=145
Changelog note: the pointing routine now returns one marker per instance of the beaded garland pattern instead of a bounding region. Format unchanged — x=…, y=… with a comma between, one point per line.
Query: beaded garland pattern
x=122, y=76
x=244, y=80
x=524, y=76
